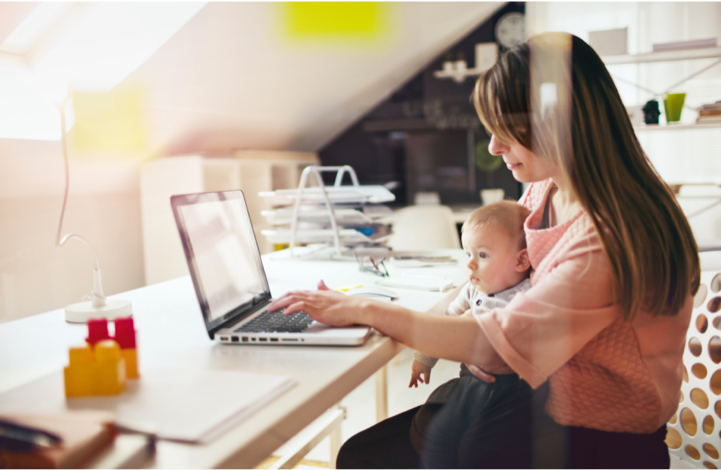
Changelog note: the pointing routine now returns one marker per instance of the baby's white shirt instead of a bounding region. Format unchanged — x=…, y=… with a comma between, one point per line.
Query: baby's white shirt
x=478, y=302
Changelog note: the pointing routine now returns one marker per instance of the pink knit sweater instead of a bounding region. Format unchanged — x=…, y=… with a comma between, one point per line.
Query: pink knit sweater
x=604, y=373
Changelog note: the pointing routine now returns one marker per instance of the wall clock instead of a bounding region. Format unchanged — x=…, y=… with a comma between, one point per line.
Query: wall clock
x=511, y=30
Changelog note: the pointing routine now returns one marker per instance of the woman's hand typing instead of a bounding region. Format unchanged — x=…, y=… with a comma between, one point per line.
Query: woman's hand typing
x=324, y=305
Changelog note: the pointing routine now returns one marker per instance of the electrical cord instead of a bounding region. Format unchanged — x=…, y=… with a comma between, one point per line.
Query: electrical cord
x=96, y=295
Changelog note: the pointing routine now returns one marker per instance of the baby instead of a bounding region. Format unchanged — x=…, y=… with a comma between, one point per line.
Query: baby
x=498, y=268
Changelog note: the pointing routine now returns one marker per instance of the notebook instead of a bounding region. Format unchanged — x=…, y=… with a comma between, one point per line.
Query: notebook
x=230, y=281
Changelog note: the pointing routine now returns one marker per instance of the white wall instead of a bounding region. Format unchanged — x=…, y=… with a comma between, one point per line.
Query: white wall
x=103, y=207
x=679, y=155
x=225, y=81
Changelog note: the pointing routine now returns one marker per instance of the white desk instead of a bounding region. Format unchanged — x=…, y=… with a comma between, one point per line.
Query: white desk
x=170, y=333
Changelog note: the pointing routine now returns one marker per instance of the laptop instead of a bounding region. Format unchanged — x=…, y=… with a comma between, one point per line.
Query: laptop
x=230, y=281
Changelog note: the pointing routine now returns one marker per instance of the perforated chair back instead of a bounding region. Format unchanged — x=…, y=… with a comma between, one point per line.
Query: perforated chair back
x=693, y=432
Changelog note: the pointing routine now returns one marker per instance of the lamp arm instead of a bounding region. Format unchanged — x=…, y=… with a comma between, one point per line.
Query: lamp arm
x=97, y=295
x=64, y=142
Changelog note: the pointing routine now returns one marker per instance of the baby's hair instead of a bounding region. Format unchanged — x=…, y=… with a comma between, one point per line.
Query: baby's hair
x=509, y=216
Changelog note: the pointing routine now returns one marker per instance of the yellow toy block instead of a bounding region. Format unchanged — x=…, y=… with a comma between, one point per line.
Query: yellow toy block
x=111, y=368
x=130, y=356
x=98, y=371
x=79, y=374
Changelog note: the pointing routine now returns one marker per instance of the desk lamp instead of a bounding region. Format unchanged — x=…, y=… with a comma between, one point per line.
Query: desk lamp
x=96, y=305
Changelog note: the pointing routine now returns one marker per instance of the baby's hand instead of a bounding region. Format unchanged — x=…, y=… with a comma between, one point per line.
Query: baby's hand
x=419, y=372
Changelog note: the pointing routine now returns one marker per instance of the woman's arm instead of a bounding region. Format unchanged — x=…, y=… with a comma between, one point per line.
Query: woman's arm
x=569, y=305
x=455, y=338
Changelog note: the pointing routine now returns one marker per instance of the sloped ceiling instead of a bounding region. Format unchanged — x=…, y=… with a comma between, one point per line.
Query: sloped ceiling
x=12, y=14
x=230, y=79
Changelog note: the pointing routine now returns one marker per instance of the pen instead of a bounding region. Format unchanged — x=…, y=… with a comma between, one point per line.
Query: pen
x=15, y=436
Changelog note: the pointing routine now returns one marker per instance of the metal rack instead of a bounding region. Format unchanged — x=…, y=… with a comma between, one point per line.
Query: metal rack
x=330, y=196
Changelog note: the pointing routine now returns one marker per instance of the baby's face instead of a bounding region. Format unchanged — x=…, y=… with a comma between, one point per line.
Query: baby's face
x=491, y=258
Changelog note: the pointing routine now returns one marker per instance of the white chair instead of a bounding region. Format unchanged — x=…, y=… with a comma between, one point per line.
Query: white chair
x=693, y=432
x=424, y=227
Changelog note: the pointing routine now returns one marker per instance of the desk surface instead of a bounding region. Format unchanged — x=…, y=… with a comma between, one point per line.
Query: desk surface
x=171, y=333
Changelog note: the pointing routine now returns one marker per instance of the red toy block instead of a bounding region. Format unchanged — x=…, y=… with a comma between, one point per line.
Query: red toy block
x=97, y=331
x=125, y=332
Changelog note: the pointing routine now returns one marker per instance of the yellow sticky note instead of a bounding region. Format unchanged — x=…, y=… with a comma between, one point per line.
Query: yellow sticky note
x=347, y=288
x=112, y=122
x=334, y=19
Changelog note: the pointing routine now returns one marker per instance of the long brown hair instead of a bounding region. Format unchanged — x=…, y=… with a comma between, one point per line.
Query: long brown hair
x=586, y=131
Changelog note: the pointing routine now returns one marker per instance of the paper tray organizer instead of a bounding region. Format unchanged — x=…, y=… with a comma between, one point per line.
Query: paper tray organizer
x=338, y=214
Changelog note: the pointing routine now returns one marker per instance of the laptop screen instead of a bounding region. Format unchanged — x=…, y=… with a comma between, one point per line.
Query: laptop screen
x=222, y=254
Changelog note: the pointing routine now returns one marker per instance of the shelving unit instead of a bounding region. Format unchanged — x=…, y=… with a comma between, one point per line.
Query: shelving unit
x=697, y=200
x=338, y=214
x=458, y=71
x=667, y=56
x=458, y=75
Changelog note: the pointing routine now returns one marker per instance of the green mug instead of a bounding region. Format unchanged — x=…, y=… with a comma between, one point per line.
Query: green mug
x=672, y=105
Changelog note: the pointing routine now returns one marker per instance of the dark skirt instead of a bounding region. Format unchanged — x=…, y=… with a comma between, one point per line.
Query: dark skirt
x=467, y=423
x=443, y=428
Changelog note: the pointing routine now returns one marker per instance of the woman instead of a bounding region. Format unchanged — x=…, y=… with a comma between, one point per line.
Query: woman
x=600, y=334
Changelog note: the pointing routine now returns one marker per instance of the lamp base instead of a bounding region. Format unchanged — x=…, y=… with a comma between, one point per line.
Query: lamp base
x=84, y=311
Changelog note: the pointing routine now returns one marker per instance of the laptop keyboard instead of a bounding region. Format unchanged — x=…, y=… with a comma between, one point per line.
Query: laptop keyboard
x=276, y=322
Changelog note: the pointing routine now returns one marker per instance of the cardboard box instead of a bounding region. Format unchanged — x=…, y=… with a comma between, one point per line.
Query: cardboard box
x=609, y=42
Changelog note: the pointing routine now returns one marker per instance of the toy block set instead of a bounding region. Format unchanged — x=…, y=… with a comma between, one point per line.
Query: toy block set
x=102, y=366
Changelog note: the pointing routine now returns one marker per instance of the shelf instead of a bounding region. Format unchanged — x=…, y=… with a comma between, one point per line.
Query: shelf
x=390, y=125
x=457, y=75
x=665, y=56
x=675, y=127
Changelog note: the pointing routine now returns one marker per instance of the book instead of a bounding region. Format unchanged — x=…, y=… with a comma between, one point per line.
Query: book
x=709, y=111
x=84, y=435
x=708, y=119
x=711, y=105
